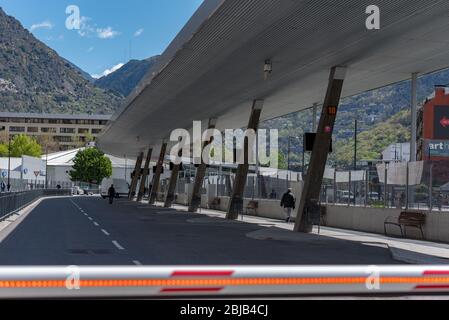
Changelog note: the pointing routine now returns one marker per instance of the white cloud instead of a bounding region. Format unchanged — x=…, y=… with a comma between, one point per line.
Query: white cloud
x=43, y=25
x=90, y=49
x=107, y=33
x=85, y=28
x=138, y=33
x=89, y=29
x=108, y=71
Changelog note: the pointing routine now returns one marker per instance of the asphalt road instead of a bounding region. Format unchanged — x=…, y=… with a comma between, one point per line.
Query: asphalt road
x=89, y=231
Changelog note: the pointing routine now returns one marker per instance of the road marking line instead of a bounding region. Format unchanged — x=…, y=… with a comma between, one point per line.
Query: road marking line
x=91, y=219
x=115, y=243
x=137, y=263
x=105, y=232
x=96, y=224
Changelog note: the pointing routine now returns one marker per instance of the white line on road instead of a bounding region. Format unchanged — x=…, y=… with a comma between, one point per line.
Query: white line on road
x=91, y=219
x=105, y=232
x=137, y=263
x=96, y=224
x=115, y=243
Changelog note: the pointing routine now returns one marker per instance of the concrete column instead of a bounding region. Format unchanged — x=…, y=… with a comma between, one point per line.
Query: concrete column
x=236, y=202
x=170, y=198
x=157, y=175
x=314, y=178
x=136, y=177
x=146, y=172
x=195, y=201
x=414, y=107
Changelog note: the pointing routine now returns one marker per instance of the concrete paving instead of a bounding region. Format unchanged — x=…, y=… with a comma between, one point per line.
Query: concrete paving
x=89, y=231
x=403, y=250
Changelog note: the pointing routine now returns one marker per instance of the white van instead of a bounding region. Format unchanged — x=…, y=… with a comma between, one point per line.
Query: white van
x=120, y=185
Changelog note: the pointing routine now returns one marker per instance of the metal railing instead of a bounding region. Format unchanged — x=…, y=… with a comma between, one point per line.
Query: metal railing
x=422, y=185
x=12, y=202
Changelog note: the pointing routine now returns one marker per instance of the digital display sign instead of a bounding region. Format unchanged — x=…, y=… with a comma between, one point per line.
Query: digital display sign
x=441, y=123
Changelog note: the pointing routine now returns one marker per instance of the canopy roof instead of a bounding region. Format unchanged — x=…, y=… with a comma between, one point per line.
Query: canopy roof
x=214, y=67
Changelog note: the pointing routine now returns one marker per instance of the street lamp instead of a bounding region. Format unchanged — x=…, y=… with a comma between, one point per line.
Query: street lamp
x=9, y=163
x=46, y=166
x=288, y=161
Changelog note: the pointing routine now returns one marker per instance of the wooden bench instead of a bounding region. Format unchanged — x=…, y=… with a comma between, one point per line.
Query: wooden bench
x=253, y=206
x=407, y=219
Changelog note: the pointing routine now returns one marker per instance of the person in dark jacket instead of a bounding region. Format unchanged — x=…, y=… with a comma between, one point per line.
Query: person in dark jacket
x=288, y=202
x=111, y=194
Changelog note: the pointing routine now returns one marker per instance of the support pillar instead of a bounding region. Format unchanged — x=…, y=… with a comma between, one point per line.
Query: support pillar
x=314, y=178
x=170, y=198
x=146, y=172
x=157, y=175
x=195, y=202
x=236, y=202
x=135, y=180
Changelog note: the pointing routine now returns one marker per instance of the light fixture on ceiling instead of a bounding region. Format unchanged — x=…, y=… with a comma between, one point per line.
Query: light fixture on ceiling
x=267, y=69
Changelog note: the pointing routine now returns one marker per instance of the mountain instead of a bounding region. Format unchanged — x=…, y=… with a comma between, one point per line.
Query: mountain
x=83, y=73
x=34, y=78
x=125, y=79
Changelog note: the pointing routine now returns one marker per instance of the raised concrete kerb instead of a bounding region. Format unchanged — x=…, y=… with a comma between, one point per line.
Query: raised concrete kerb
x=411, y=257
x=278, y=234
x=217, y=221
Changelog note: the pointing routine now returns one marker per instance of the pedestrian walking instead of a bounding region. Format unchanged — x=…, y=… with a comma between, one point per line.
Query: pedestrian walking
x=111, y=194
x=288, y=202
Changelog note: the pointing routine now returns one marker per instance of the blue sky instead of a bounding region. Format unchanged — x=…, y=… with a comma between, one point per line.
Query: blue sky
x=111, y=31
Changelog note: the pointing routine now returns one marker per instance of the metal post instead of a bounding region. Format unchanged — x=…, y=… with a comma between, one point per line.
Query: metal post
x=367, y=187
x=349, y=187
x=431, y=187
x=407, y=187
x=355, y=144
x=335, y=186
x=46, y=167
x=414, y=110
x=312, y=185
x=315, y=115
x=8, y=187
x=288, y=164
x=386, y=187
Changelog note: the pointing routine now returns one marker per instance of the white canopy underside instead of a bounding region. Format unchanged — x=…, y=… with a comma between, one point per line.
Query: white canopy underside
x=214, y=67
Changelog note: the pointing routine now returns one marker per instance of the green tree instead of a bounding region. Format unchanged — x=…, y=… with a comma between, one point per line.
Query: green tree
x=3, y=150
x=23, y=145
x=92, y=166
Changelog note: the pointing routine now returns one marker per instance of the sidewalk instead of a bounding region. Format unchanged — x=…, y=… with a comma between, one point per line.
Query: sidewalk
x=403, y=250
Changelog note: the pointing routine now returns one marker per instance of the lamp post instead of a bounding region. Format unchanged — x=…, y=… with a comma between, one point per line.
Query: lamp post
x=287, y=178
x=9, y=163
x=46, y=166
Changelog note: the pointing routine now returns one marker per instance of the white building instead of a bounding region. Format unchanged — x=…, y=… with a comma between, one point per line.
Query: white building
x=60, y=164
x=399, y=152
x=24, y=172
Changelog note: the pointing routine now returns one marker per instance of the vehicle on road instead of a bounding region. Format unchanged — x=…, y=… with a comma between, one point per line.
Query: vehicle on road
x=121, y=187
x=77, y=191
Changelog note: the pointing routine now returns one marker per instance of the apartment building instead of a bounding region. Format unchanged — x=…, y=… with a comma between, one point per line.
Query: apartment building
x=68, y=131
